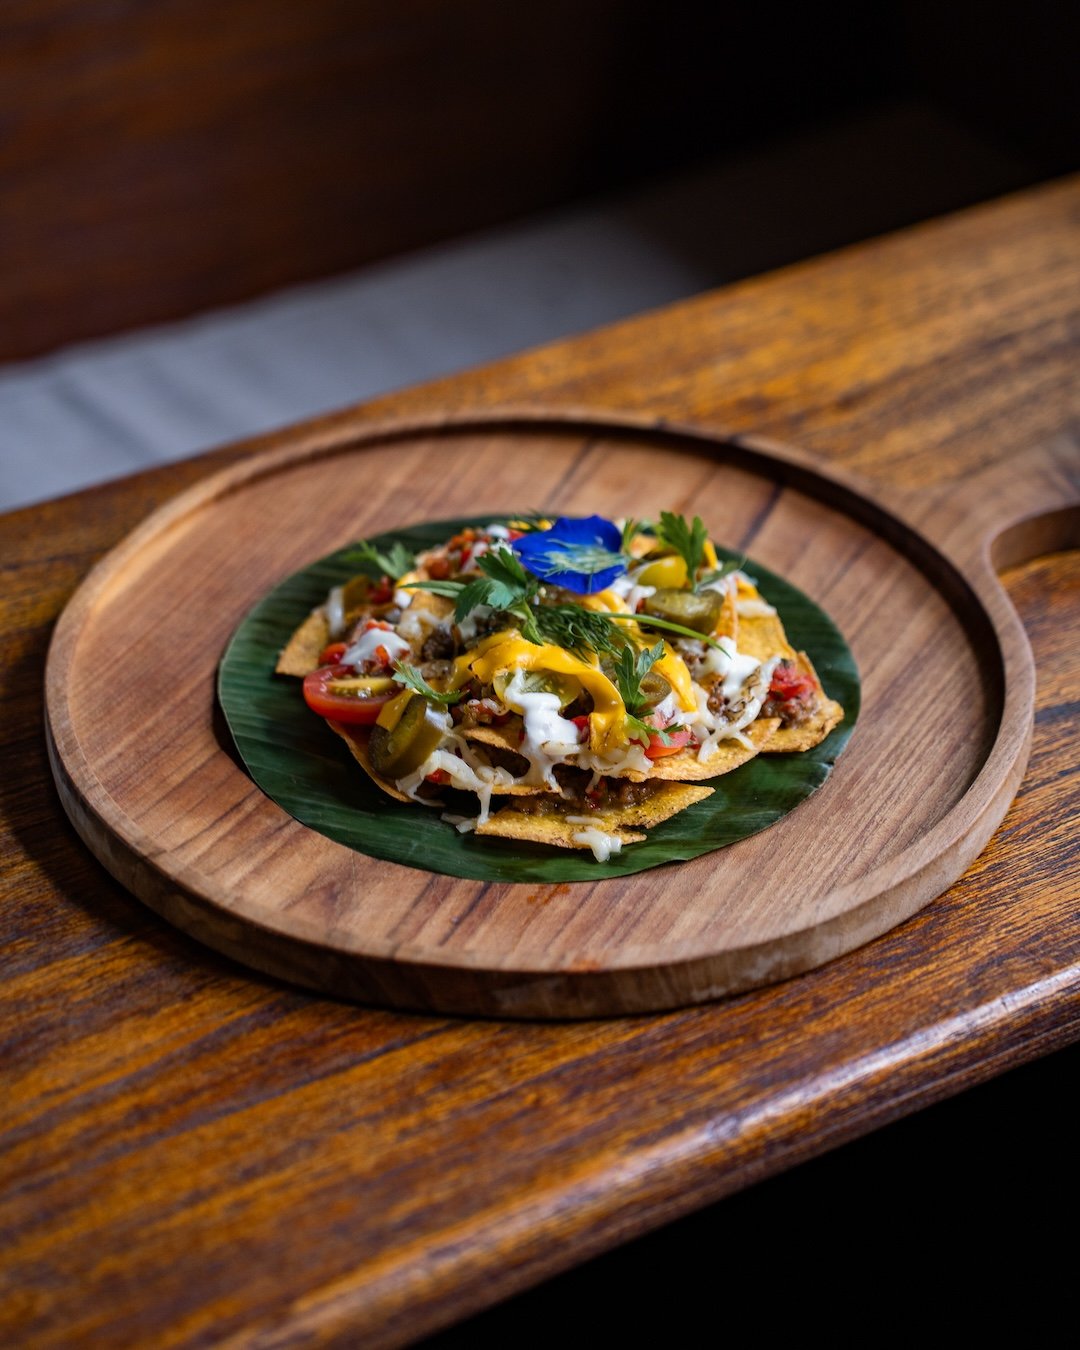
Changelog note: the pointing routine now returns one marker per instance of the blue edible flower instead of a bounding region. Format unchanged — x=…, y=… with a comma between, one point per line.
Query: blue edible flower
x=580, y=553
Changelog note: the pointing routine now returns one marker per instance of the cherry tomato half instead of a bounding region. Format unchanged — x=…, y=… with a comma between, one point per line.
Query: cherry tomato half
x=339, y=693
x=676, y=741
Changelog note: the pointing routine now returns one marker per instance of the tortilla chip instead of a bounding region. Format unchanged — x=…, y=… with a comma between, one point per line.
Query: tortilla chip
x=555, y=830
x=685, y=767
x=505, y=736
x=764, y=638
x=559, y=826
x=728, y=623
x=426, y=602
x=358, y=744
x=664, y=801
x=300, y=655
x=828, y=714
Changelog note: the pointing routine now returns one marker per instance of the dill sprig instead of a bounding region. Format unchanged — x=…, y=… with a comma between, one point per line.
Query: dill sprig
x=668, y=627
x=577, y=629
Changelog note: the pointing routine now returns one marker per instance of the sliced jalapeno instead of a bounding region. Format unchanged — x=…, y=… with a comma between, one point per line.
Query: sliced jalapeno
x=699, y=611
x=400, y=751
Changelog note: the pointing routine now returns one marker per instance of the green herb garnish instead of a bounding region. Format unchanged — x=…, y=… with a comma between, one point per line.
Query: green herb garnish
x=628, y=672
x=630, y=668
x=719, y=573
x=578, y=630
x=630, y=531
x=394, y=563
x=688, y=541
x=587, y=559
x=505, y=585
x=411, y=678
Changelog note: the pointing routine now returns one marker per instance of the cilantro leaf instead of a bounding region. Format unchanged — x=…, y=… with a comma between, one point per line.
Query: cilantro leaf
x=630, y=668
x=394, y=563
x=411, y=678
x=504, y=584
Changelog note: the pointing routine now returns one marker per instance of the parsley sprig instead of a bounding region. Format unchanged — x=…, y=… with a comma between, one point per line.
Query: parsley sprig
x=688, y=541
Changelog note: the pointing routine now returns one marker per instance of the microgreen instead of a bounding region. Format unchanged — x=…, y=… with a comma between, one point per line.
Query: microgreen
x=587, y=559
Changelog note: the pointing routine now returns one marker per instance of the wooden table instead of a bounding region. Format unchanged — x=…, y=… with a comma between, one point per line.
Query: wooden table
x=193, y=1152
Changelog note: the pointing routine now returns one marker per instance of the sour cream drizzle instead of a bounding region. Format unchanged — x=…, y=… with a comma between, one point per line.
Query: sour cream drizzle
x=363, y=649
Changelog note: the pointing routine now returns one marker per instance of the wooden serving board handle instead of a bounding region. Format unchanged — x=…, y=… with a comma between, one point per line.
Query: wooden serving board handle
x=1006, y=513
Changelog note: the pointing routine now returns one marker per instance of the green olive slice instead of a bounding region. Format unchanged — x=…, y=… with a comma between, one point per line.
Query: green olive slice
x=401, y=750
x=701, y=612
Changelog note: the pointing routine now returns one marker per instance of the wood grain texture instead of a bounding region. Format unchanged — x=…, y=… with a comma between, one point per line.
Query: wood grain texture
x=161, y=802
x=192, y=1153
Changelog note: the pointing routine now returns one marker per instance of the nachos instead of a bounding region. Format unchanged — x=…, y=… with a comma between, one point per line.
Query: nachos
x=570, y=682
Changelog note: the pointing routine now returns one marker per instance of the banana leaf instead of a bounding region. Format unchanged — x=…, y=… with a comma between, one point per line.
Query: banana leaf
x=303, y=766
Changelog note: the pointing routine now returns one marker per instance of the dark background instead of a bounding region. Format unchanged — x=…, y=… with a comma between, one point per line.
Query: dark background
x=157, y=159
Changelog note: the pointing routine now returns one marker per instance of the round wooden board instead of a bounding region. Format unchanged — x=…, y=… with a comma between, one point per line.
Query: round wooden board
x=146, y=772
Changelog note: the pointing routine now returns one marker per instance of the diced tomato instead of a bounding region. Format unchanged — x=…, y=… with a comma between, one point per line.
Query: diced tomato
x=439, y=776
x=582, y=724
x=438, y=568
x=676, y=741
x=382, y=592
x=788, y=682
x=331, y=655
x=357, y=703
